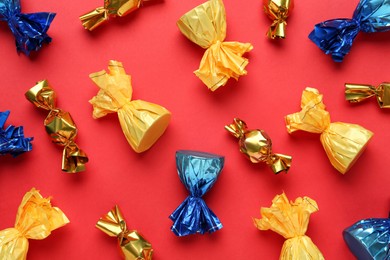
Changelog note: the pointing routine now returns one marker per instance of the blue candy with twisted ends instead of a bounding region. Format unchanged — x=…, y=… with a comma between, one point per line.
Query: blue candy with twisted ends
x=369, y=239
x=29, y=29
x=198, y=172
x=336, y=36
x=12, y=140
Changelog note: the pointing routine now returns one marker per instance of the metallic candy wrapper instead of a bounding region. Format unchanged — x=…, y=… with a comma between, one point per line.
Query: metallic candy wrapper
x=205, y=25
x=198, y=172
x=59, y=125
x=142, y=122
x=358, y=92
x=336, y=36
x=257, y=146
x=343, y=143
x=29, y=29
x=278, y=11
x=12, y=140
x=36, y=219
x=133, y=246
x=290, y=220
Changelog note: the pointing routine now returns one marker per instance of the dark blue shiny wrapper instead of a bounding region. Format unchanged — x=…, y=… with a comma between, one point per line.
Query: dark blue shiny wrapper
x=336, y=36
x=198, y=172
x=29, y=29
x=369, y=239
x=12, y=140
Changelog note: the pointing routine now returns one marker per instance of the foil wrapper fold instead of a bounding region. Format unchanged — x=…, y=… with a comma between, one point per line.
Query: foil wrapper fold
x=143, y=123
x=205, y=25
x=59, y=126
x=257, y=146
x=36, y=219
x=290, y=219
x=343, y=143
x=355, y=93
x=198, y=171
x=30, y=30
x=133, y=246
x=278, y=11
x=336, y=36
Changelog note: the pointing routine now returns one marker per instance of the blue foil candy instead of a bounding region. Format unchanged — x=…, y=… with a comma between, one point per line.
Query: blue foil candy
x=336, y=36
x=369, y=239
x=12, y=140
x=198, y=172
x=29, y=29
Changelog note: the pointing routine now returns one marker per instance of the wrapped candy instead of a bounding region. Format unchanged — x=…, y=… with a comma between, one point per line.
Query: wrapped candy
x=59, y=125
x=336, y=36
x=205, y=25
x=198, y=171
x=290, y=220
x=111, y=8
x=29, y=29
x=142, y=122
x=36, y=219
x=343, y=143
x=369, y=238
x=133, y=246
x=12, y=140
x=278, y=11
x=257, y=146
x=358, y=92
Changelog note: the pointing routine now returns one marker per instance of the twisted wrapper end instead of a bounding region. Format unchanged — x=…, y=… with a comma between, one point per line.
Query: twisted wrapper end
x=73, y=158
x=237, y=128
x=280, y=162
x=95, y=18
x=355, y=93
x=42, y=95
x=278, y=11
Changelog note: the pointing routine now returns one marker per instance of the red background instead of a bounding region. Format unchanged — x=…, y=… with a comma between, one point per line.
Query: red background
x=146, y=186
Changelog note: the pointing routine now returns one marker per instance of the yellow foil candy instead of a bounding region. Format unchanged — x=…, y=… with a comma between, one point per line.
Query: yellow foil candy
x=278, y=11
x=343, y=143
x=205, y=25
x=142, y=122
x=357, y=92
x=133, y=246
x=257, y=146
x=36, y=218
x=290, y=220
x=59, y=125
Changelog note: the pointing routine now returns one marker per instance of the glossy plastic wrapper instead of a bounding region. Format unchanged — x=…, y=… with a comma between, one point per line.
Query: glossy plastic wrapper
x=355, y=93
x=133, y=246
x=143, y=123
x=36, y=219
x=198, y=171
x=59, y=126
x=290, y=220
x=343, y=143
x=335, y=36
x=278, y=11
x=205, y=25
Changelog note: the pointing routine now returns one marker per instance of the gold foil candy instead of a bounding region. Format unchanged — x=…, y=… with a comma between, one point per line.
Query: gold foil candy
x=290, y=220
x=343, y=143
x=257, y=146
x=358, y=92
x=35, y=219
x=278, y=11
x=133, y=246
x=205, y=25
x=142, y=122
x=59, y=125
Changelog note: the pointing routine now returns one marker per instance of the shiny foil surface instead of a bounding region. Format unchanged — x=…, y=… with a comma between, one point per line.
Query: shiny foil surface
x=290, y=219
x=30, y=30
x=205, y=25
x=36, y=219
x=198, y=171
x=133, y=246
x=143, y=123
x=343, y=143
x=12, y=140
x=355, y=93
x=336, y=36
x=278, y=11
x=59, y=125
x=257, y=146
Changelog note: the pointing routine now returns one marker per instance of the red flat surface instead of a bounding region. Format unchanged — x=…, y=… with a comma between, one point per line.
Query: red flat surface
x=146, y=186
